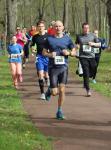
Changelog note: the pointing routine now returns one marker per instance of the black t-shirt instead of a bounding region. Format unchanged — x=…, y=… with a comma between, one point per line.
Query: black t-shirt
x=40, y=41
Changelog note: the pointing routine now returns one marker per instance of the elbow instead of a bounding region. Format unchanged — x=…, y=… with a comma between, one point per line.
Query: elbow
x=44, y=53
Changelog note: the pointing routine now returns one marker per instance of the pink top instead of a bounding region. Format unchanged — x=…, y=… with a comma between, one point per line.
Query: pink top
x=20, y=39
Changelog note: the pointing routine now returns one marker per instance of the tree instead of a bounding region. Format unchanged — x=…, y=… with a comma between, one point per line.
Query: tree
x=41, y=9
x=11, y=12
x=65, y=13
x=86, y=12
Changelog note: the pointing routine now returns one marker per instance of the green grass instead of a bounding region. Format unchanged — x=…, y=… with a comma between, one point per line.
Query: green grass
x=103, y=76
x=16, y=130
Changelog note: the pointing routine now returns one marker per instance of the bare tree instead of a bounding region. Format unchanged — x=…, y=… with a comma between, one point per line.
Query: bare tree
x=41, y=9
x=11, y=11
x=65, y=13
x=86, y=11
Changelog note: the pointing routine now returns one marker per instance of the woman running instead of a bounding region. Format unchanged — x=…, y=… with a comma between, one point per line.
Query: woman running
x=15, y=52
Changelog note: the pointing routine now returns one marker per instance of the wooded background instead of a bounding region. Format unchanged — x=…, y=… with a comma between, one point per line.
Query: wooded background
x=73, y=13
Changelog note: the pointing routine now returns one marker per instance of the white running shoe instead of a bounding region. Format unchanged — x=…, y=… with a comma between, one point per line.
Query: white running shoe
x=23, y=66
x=42, y=96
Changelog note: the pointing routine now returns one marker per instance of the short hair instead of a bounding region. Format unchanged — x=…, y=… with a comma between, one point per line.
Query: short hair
x=84, y=24
x=40, y=22
x=52, y=23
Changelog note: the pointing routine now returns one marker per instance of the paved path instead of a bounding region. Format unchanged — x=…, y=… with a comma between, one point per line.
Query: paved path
x=88, y=123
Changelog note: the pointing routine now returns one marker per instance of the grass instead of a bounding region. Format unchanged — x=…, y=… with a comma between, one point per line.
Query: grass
x=16, y=130
x=103, y=76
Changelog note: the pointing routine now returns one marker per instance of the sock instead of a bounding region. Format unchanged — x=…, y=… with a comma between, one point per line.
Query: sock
x=59, y=108
x=41, y=85
x=47, y=81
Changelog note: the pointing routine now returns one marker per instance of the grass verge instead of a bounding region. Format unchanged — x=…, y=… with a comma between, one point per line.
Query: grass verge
x=103, y=76
x=16, y=131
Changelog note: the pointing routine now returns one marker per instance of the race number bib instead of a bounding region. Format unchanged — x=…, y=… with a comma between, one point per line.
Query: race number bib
x=96, y=50
x=86, y=48
x=59, y=60
x=36, y=60
x=13, y=56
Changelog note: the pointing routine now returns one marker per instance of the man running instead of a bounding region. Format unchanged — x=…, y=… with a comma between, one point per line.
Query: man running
x=57, y=51
x=87, y=42
x=41, y=61
x=98, y=54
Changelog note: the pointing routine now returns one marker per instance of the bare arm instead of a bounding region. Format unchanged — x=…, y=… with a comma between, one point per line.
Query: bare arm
x=48, y=54
x=95, y=44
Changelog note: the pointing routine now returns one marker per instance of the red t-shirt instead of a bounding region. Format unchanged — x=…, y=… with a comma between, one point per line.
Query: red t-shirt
x=51, y=31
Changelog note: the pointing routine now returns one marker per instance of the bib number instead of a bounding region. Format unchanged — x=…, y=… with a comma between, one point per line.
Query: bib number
x=86, y=48
x=36, y=60
x=59, y=60
x=13, y=56
x=96, y=50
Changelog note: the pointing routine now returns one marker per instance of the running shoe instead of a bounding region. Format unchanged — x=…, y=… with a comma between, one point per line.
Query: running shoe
x=88, y=93
x=48, y=95
x=27, y=60
x=23, y=66
x=42, y=96
x=60, y=115
x=94, y=81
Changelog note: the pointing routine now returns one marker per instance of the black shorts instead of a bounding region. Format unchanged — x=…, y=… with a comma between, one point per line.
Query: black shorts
x=58, y=76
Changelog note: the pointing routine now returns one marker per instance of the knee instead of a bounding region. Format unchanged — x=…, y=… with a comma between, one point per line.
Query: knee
x=54, y=92
x=62, y=89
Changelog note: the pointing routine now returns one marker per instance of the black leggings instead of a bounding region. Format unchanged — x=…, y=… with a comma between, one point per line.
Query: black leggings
x=89, y=68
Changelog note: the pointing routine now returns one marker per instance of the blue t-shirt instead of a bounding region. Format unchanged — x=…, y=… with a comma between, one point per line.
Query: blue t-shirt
x=15, y=49
x=55, y=44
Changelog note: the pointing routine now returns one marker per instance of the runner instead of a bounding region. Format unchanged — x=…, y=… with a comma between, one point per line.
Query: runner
x=57, y=51
x=41, y=61
x=21, y=38
x=98, y=54
x=26, y=47
x=15, y=52
x=51, y=29
x=87, y=41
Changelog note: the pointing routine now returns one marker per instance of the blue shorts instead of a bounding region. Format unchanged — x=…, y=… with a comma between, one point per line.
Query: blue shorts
x=42, y=63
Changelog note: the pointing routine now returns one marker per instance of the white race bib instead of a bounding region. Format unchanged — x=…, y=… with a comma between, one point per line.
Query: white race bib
x=86, y=48
x=96, y=50
x=59, y=60
x=13, y=56
x=36, y=60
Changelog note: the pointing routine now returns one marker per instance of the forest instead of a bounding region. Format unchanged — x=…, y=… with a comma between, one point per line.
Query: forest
x=73, y=13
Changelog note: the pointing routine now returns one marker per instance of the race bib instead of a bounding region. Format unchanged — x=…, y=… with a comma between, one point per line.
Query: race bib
x=36, y=60
x=13, y=56
x=96, y=50
x=86, y=48
x=59, y=60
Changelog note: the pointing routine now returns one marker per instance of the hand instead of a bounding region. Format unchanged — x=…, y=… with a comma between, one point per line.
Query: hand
x=91, y=43
x=78, y=46
x=53, y=54
x=65, y=52
x=73, y=53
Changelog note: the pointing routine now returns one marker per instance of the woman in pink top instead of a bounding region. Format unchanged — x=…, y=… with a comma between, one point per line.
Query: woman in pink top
x=21, y=38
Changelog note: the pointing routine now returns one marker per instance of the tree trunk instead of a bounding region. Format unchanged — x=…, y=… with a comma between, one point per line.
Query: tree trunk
x=109, y=18
x=86, y=12
x=54, y=8
x=11, y=9
x=65, y=14
x=41, y=9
